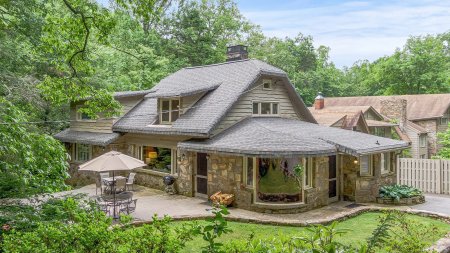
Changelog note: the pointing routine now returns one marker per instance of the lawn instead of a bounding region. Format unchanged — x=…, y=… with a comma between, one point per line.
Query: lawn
x=359, y=229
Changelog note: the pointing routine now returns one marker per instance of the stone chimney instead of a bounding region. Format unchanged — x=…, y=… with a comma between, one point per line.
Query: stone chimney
x=394, y=108
x=319, y=102
x=237, y=52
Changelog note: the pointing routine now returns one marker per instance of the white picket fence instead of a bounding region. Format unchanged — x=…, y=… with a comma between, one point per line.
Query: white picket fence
x=428, y=175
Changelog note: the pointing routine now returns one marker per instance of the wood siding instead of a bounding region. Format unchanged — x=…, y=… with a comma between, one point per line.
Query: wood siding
x=101, y=125
x=416, y=150
x=189, y=101
x=243, y=107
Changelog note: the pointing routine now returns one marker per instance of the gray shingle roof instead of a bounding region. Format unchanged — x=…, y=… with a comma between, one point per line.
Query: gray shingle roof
x=172, y=89
x=269, y=136
x=121, y=94
x=234, y=79
x=101, y=139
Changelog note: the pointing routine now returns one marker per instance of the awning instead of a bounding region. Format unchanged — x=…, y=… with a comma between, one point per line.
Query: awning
x=81, y=137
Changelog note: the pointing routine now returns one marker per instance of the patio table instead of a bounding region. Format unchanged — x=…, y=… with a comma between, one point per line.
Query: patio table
x=110, y=181
x=120, y=199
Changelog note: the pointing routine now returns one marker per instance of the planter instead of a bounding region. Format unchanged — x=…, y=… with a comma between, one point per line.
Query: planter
x=405, y=201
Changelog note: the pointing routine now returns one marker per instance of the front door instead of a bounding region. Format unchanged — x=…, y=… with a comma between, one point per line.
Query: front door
x=202, y=175
x=332, y=179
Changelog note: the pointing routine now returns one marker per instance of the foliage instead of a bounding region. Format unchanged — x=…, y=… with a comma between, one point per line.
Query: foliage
x=444, y=140
x=90, y=230
x=216, y=227
x=30, y=162
x=398, y=192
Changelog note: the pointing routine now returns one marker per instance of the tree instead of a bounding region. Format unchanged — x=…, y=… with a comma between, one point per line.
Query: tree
x=30, y=163
x=444, y=140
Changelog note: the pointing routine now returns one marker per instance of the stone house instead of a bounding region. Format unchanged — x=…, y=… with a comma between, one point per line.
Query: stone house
x=238, y=127
x=420, y=117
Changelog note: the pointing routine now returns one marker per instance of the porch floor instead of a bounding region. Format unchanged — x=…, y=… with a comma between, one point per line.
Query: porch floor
x=152, y=201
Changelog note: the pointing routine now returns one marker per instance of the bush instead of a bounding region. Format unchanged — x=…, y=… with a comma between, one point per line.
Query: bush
x=398, y=192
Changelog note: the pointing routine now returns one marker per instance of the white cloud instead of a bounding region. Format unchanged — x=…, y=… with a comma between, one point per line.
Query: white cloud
x=358, y=29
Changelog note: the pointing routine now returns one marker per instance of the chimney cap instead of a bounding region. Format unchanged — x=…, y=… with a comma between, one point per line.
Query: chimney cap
x=319, y=96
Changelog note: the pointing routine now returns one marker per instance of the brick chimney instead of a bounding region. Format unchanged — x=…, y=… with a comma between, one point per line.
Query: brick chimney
x=319, y=102
x=237, y=52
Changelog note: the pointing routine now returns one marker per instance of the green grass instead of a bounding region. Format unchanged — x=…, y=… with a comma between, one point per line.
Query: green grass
x=274, y=182
x=359, y=229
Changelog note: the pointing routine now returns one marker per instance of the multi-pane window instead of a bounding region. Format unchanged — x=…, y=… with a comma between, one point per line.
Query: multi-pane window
x=423, y=140
x=82, y=152
x=379, y=131
x=265, y=108
x=249, y=167
x=158, y=159
x=386, y=163
x=446, y=118
x=365, y=165
x=169, y=110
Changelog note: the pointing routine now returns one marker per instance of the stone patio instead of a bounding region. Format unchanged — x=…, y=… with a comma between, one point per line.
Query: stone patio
x=152, y=201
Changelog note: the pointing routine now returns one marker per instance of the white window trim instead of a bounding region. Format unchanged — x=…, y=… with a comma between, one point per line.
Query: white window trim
x=271, y=108
x=76, y=152
x=422, y=137
x=269, y=81
x=385, y=170
x=170, y=110
x=370, y=164
x=308, y=165
x=245, y=171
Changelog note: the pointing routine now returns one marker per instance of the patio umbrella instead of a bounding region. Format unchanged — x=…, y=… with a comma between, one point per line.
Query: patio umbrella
x=112, y=161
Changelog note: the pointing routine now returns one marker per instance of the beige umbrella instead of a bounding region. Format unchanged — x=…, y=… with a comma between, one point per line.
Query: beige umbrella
x=112, y=161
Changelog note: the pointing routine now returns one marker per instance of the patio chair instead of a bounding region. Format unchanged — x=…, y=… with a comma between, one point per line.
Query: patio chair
x=102, y=176
x=121, y=184
x=130, y=181
x=104, y=206
x=128, y=207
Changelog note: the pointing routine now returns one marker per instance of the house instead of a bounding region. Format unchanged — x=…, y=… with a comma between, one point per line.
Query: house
x=238, y=127
x=420, y=117
x=356, y=118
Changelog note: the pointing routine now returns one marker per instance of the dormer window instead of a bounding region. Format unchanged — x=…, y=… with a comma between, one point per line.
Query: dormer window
x=265, y=108
x=267, y=84
x=169, y=110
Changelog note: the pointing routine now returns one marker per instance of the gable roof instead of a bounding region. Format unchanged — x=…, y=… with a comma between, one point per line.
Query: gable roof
x=424, y=106
x=276, y=137
x=225, y=83
x=101, y=139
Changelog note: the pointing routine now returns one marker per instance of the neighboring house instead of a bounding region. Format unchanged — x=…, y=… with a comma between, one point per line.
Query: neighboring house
x=363, y=119
x=239, y=127
x=420, y=117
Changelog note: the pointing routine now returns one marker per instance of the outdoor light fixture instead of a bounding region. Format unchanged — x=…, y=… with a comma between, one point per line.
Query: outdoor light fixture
x=355, y=161
x=207, y=157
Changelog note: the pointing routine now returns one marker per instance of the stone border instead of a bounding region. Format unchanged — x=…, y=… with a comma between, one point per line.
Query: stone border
x=404, y=201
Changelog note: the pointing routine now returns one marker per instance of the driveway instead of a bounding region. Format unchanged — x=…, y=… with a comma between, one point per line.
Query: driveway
x=435, y=203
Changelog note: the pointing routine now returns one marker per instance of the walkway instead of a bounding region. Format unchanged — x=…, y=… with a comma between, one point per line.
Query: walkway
x=151, y=201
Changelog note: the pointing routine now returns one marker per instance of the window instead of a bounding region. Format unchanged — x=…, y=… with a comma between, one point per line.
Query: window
x=265, y=108
x=82, y=152
x=81, y=115
x=444, y=121
x=267, y=84
x=423, y=140
x=158, y=159
x=365, y=163
x=169, y=110
x=249, y=165
x=386, y=163
x=309, y=172
x=423, y=156
x=380, y=131
x=446, y=118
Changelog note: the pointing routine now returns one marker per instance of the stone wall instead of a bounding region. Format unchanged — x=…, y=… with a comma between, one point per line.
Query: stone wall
x=364, y=188
x=394, y=109
x=317, y=196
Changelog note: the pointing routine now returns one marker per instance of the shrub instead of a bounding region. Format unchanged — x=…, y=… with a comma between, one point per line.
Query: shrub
x=399, y=191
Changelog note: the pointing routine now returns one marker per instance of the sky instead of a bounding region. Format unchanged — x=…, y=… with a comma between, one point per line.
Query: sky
x=353, y=30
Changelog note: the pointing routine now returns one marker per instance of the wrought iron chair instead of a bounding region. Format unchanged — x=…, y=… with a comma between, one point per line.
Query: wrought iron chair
x=120, y=184
x=130, y=181
x=128, y=207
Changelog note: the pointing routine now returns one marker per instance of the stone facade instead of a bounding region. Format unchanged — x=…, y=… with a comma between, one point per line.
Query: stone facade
x=394, y=109
x=364, y=188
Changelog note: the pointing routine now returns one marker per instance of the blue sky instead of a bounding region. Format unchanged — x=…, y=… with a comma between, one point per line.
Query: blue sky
x=352, y=29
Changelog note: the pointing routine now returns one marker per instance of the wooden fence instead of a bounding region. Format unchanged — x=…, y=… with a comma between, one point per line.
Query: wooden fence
x=428, y=175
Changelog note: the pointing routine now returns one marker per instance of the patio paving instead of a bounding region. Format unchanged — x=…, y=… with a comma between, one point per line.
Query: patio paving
x=152, y=201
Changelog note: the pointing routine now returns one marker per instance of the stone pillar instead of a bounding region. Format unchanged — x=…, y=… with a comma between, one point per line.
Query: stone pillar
x=395, y=108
